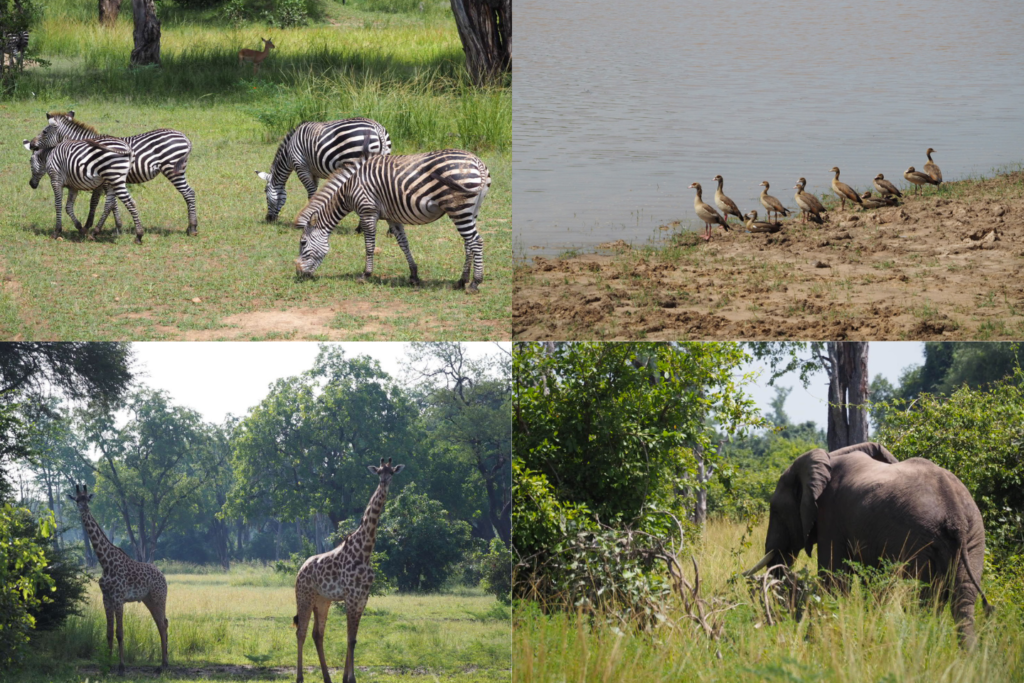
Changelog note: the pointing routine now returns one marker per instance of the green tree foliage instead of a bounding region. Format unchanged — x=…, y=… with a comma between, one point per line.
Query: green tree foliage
x=978, y=435
x=24, y=583
x=950, y=365
x=497, y=570
x=304, y=449
x=422, y=542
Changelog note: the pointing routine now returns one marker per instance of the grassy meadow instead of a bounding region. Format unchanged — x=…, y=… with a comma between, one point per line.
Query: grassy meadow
x=237, y=279
x=238, y=626
x=876, y=633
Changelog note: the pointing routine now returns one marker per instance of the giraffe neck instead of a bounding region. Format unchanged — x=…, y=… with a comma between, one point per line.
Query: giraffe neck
x=101, y=545
x=371, y=518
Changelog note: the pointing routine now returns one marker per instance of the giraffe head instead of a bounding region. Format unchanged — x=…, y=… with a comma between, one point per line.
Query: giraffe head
x=385, y=471
x=81, y=497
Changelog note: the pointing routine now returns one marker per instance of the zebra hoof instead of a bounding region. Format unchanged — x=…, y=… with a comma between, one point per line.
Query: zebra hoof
x=472, y=289
x=138, y=239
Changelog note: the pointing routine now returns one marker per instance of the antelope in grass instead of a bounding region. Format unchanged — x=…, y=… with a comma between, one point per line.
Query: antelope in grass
x=255, y=56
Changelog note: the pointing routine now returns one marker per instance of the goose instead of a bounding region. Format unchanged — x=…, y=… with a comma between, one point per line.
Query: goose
x=754, y=225
x=842, y=190
x=725, y=205
x=808, y=203
x=918, y=178
x=869, y=202
x=771, y=204
x=885, y=188
x=931, y=168
x=706, y=213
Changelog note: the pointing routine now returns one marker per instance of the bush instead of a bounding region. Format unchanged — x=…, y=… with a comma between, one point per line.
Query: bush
x=422, y=542
x=70, y=581
x=497, y=571
x=24, y=583
x=279, y=13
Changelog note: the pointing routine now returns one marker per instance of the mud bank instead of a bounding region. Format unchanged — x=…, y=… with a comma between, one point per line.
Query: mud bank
x=944, y=265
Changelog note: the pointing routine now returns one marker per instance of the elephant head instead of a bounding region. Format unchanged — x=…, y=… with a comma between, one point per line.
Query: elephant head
x=794, y=509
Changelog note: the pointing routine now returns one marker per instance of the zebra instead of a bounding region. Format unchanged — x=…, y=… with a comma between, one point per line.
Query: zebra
x=95, y=164
x=412, y=189
x=157, y=151
x=16, y=43
x=314, y=150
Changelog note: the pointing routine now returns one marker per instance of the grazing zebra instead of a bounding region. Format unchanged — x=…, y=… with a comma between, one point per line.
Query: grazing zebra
x=15, y=44
x=412, y=189
x=314, y=150
x=157, y=151
x=98, y=164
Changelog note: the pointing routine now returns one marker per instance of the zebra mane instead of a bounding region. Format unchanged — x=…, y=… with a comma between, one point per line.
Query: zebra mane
x=70, y=121
x=282, y=150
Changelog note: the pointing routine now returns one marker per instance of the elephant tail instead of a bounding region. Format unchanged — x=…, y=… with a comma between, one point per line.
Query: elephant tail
x=989, y=609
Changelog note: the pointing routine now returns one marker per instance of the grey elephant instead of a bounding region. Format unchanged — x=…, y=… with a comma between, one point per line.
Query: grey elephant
x=862, y=504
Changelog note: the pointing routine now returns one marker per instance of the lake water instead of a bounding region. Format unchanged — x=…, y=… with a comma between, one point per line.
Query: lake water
x=618, y=106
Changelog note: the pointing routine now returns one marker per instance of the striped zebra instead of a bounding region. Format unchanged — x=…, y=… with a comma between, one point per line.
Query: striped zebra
x=96, y=164
x=158, y=151
x=314, y=150
x=15, y=44
x=412, y=189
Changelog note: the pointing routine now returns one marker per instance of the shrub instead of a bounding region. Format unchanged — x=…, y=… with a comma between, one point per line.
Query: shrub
x=497, y=571
x=279, y=13
x=24, y=583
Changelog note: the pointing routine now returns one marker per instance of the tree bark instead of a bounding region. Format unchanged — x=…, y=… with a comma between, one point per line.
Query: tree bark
x=485, y=28
x=147, y=33
x=847, y=392
x=109, y=9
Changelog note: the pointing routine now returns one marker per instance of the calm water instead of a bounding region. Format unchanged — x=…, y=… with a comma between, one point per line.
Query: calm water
x=618, y=106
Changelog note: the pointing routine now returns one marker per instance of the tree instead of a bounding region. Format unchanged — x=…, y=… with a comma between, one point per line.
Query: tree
x=847, y=366
x=146, y=34
x=467, y=419
x=485, y=28
x=109, y=10
x=24, y=583
x=949, y=365
x=154, y=468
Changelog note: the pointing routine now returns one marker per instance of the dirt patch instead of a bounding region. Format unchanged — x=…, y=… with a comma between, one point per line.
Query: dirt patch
x=946, y=265
x=333, y=322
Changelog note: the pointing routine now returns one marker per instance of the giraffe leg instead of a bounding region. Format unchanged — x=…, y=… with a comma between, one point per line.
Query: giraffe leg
x=355, y=612
x=320, y=609
x=119, y=614
x=158, y=608
x=108, y=607
x=304, y=603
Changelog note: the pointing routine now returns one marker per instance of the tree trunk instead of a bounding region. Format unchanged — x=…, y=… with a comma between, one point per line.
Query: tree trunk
x=485, y=28
x=847, y=393
x=147, y=33
x=109, y=9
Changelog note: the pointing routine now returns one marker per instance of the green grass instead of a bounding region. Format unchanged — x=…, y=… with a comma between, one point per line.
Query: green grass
x=867, y=635
x=405, y=70
x=219, y=629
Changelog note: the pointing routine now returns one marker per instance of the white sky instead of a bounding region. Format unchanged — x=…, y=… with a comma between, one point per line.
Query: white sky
x=217, y=378
x=884, y=358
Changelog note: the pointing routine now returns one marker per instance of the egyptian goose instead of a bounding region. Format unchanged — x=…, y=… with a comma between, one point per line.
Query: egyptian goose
x=706, y=213
x=725, y=205
x=918, y=178
x=842, y=190
x=885, y=188
x=931, y=168
x=869, y=202
x=808, y=203
x=754, y=225
x=771, y=204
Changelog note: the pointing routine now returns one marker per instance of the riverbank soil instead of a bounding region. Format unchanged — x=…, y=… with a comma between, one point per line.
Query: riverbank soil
x=946, y=264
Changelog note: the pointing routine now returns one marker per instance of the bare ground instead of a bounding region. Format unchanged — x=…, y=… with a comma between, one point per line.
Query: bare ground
x=944, y=265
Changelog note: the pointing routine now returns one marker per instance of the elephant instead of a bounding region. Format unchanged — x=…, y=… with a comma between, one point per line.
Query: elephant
x=860, y=503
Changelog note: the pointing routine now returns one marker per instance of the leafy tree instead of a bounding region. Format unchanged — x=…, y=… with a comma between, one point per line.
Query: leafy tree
x=421, y=541
x=949, y=365
x=24, y=583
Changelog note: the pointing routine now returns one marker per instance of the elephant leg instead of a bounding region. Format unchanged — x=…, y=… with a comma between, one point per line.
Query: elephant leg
x=965, y=594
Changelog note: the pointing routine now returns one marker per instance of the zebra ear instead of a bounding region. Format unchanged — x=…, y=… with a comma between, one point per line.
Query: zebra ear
x=263, y=176
x=71, y=113
x=28, y=145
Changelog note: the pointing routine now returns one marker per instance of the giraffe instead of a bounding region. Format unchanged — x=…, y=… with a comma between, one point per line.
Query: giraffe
x=343, y=574
x=124, y=580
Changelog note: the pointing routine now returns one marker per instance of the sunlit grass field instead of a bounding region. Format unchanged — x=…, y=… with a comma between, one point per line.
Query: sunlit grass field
x=237, y=279
x=868, y=635
x=238, y=625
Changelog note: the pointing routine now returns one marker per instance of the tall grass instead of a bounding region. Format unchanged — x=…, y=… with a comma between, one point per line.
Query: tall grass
x=866, y=635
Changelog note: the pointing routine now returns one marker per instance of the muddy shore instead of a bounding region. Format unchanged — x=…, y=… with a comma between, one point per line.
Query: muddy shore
x=944, y=265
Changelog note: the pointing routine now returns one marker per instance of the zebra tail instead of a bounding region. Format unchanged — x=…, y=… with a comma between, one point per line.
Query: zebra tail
x=98, y=145
x=448, y=182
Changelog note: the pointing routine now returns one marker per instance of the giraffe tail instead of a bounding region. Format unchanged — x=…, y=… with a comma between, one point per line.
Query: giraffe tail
x=295, y=621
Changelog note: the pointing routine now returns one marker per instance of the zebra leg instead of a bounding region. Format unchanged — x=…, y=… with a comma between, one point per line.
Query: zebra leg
x=368, y=226
x=93, y=202
x=307, y=180
x=108, y=206
x=122, y=193
x=58, y=198
x=181, y=184
x=398, y=230
x=69, y=209
x=475, y=255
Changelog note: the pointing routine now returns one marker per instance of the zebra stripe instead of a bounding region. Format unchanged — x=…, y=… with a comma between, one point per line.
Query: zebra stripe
x=413, y=189
x=98, y=164
x=314, y=150
x=15, y=44
x=158, y=151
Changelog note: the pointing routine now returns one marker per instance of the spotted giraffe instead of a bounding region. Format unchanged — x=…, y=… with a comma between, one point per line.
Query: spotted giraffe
x=124, y=580
x=343, y=574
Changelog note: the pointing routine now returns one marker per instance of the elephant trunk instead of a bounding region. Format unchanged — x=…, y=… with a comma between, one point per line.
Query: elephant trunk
x=762, y=563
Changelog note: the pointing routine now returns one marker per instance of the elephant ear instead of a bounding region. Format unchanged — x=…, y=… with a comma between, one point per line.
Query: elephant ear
x=876, y=450
x=814, y=472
